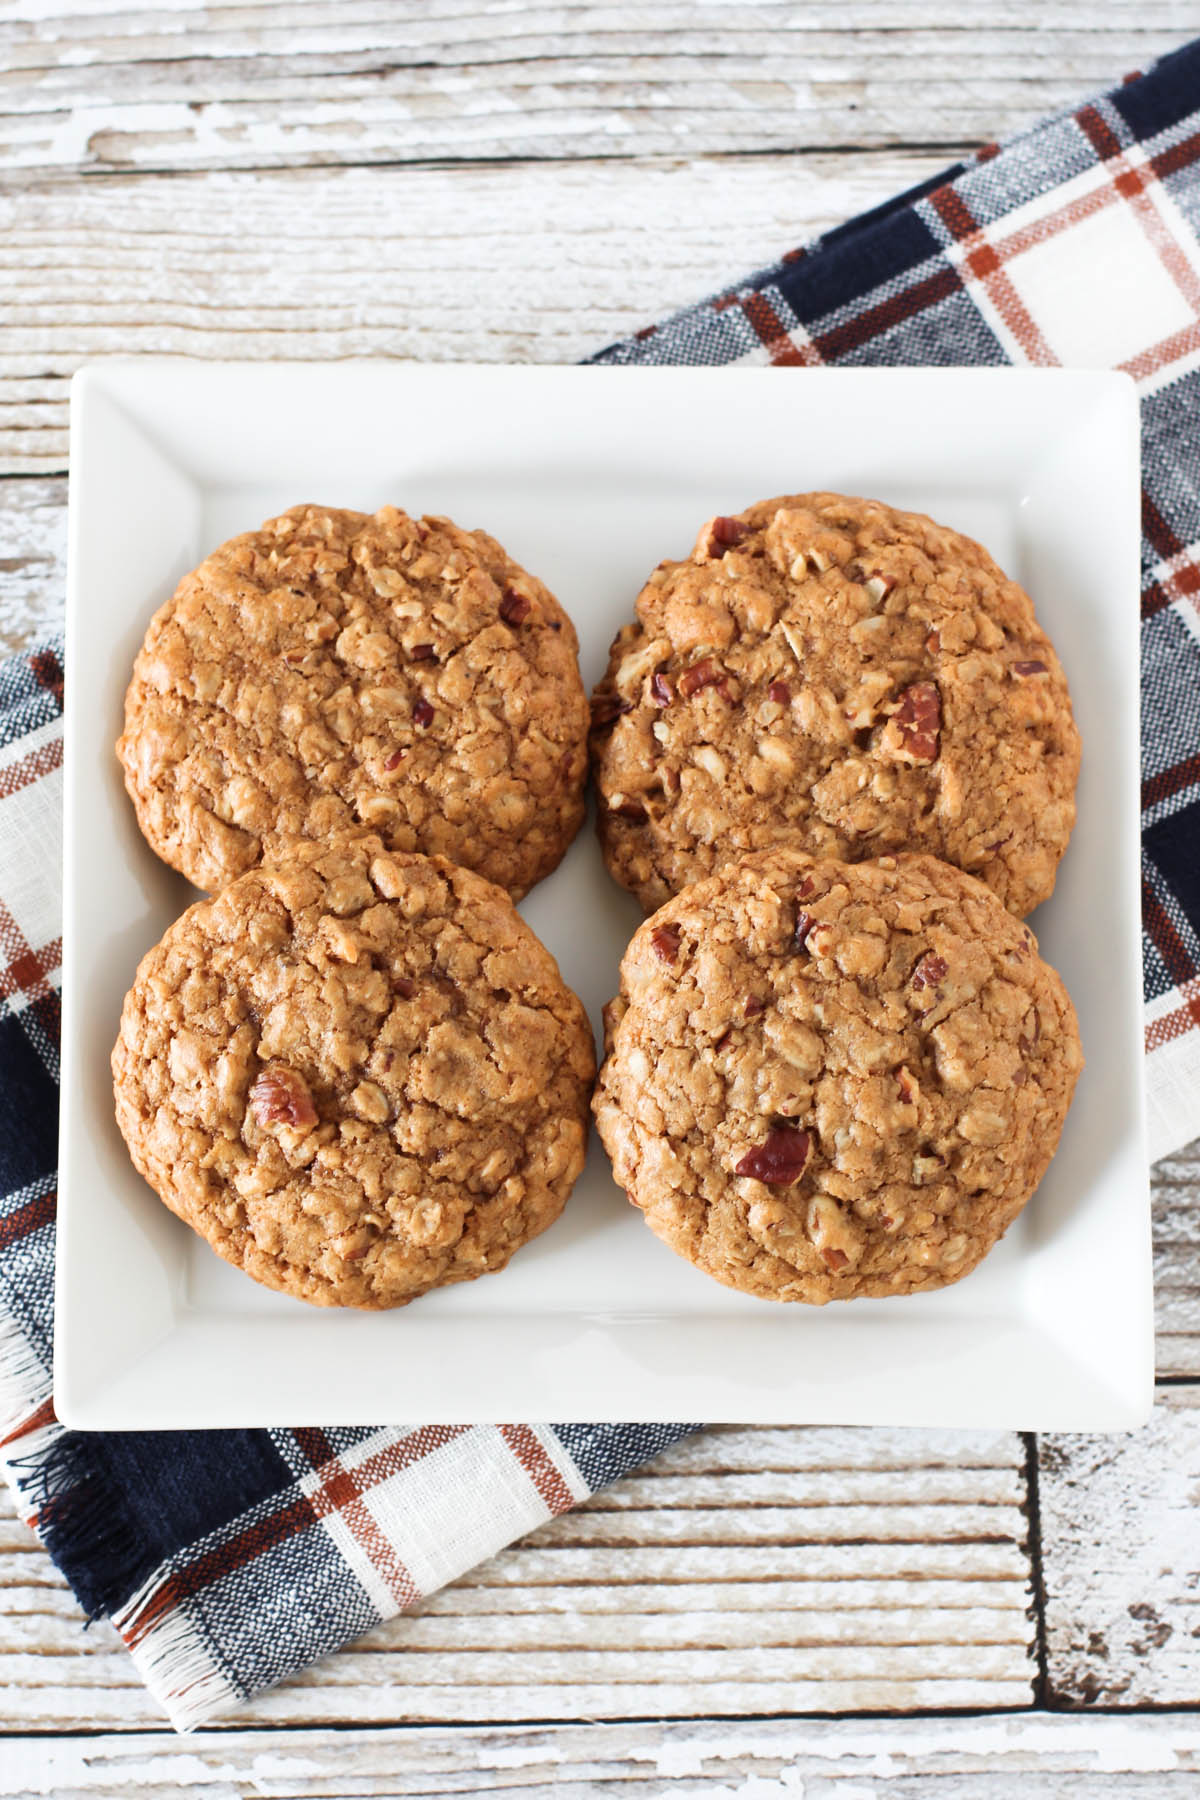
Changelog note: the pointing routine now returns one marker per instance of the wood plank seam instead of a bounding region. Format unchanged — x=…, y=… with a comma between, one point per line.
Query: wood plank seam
x=1037, y=1569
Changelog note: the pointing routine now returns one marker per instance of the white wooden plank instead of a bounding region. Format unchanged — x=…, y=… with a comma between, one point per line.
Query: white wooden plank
x=33, y=563
x=1177, y=1261
x=1040, y=1755
x=796, y=1449
x=1120, y=1535
x=992, y=1599
x=794, y=1529
x=532, y=263
x=196, y=87
x=991, y=1560
x=702, y=1585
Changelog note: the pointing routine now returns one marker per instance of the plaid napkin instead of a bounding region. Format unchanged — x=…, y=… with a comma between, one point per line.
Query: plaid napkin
x=228, y=1560
x=1076, y=243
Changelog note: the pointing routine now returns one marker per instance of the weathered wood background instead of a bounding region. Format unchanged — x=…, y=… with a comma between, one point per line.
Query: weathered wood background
x=763, y=1611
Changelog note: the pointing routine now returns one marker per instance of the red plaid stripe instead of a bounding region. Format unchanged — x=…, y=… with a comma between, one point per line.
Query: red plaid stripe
x=342, y=1491
x=1185, y=1017
x=27, y=970
x=24, y=981
x=771, y=331
x=35, y=1213
x=1169, y=782
x=524, y=1444
x=986, y=263
x=1178, y=577
x=32, y=767
x=1176, y=157
x=856, y=332
x=37, y=1420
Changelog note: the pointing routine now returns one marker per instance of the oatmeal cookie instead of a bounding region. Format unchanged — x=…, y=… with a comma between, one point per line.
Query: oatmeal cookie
x=829, y=669
x=357, y=1074
x=825, y=1080
x=337, y=669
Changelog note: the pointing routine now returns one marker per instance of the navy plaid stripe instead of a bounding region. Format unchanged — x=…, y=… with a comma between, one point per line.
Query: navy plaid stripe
x=603, y=1453
x=30, y=692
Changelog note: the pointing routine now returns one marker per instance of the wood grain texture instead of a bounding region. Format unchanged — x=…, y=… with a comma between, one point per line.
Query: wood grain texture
x=527, y=263
x=541, y=180
x=186, y=86
x=1121, y=1560
x=748, y=1570
x=1043, y=1757
x=33, y=561
x=1177, y=1262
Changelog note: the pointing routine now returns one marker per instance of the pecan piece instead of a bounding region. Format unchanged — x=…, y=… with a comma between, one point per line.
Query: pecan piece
x=703, y=674
x=607, y=709
x=780, y=1159
x=422, y=653
x=280, y=1096
x=661, y=691
x=929, y=971
x=918, y=719
x=666, y=942
x=804, y=924
x=719, y=534
x=1022, y=670
x=514, y=607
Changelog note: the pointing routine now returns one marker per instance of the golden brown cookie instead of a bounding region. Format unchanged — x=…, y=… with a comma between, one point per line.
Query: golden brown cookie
x=829, y=669
x=826, y=1080
x=358, y=1074
x=337, y=669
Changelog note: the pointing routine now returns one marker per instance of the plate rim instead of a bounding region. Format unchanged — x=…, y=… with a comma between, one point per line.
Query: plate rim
x=77, y=1408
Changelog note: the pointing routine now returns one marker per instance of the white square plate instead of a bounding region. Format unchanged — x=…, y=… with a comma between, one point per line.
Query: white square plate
x=589, y=476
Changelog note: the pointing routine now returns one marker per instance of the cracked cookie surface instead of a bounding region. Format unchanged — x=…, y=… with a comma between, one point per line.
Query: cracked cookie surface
x=358, y=1075
x=827, y=1080
x=830, y=669
x=336, y=669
